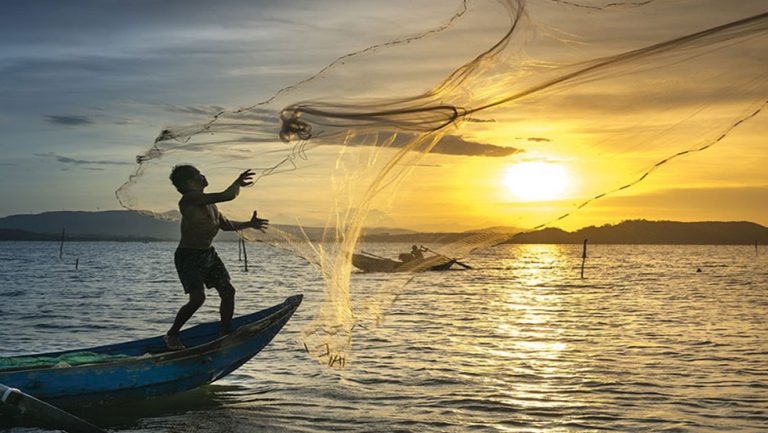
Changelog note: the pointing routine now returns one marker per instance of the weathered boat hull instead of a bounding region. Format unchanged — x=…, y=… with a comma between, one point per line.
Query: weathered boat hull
x=145, y=375
x=372, y=264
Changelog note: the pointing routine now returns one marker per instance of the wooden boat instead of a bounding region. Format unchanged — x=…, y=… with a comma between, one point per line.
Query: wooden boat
x=148, y=369
x=367, y=263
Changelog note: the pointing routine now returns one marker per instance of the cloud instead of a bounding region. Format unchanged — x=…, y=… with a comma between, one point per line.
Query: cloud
x=124, y=121
x=68, y=120
x=73, y=161
x=456, y=145
x=448, y=145
x=538, y=139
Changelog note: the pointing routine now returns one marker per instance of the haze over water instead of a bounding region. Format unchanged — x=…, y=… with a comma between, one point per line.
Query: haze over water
x=520, y=344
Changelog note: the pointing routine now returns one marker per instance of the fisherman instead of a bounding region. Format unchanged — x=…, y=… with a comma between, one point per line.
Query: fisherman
x=417, y=252
x=196, y=260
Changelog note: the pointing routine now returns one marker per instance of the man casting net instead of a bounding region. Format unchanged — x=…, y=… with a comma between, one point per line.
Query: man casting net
x=508, y=113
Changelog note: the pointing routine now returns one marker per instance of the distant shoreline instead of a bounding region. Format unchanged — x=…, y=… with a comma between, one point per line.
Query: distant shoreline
x=147, y=241
x=125, y=226
x=376, y=239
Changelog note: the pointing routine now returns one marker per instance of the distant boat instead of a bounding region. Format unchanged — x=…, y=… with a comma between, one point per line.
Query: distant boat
x=368, y=263
x=145, y=368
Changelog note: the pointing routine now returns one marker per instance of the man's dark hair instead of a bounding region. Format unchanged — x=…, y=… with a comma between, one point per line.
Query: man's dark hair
x=181, y=174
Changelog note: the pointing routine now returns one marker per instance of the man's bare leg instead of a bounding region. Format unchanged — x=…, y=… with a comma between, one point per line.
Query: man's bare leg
x=196, y=299
x=227, y=306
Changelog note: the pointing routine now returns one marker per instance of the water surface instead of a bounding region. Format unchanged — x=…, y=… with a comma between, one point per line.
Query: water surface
x=520, y=344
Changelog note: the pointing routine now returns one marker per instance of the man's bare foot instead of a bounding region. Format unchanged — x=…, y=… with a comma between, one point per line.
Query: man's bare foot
x=172, y=342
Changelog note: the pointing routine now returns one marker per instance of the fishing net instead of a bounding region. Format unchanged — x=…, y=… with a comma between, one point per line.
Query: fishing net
x=508, y=115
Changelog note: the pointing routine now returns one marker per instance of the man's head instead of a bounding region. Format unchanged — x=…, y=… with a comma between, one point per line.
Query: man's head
x=187, y=178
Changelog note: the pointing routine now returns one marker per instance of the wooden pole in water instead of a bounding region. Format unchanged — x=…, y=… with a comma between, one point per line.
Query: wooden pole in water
x=245, y=255
x=583, y=258
x=39, y=410
x=61, y=244
x=239, y=249
x=77, y=263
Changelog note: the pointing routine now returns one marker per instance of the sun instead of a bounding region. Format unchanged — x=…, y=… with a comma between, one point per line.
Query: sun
x=536, y=181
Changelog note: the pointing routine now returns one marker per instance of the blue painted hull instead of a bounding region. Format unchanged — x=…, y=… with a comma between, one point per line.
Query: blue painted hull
x=145, y=375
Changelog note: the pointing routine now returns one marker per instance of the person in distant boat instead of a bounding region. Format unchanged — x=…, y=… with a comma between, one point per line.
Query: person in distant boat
x=196, y=260
x=417, y=252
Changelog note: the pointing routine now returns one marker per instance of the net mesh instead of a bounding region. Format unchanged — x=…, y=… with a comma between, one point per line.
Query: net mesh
x=452, y=128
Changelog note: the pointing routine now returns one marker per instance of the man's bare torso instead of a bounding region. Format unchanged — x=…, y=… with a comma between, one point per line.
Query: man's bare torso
x=199, y=224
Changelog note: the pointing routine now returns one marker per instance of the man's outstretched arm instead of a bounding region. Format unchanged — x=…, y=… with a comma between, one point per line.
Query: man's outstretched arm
x=255, y=223
x=229, y=194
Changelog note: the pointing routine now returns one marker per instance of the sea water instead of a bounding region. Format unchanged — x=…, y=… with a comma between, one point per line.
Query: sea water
x=520, y=343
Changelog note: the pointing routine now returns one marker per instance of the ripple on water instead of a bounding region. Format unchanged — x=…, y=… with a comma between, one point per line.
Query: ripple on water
x=518, y=344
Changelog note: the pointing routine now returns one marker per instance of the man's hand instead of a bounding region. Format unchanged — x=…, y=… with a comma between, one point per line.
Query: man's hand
x=258, y=223
x=245, y=178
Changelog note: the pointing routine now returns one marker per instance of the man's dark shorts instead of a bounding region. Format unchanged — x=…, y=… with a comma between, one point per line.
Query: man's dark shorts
x=200, y=267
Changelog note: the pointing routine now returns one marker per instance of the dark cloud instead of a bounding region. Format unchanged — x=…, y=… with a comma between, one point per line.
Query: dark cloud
x=448, y=145
x=455, y=145
x=538, y=139
x=68, y=120
x=73, y=161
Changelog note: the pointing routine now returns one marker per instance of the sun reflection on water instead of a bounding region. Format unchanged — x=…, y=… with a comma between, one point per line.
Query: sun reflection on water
x=521, y=343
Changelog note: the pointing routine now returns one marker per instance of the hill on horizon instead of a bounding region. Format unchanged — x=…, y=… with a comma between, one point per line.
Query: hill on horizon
x=127, y=225
x=119, y=223
x=654, y=232
x=124, y=225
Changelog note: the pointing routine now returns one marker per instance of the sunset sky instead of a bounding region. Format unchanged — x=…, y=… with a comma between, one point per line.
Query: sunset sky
x=86, y=86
